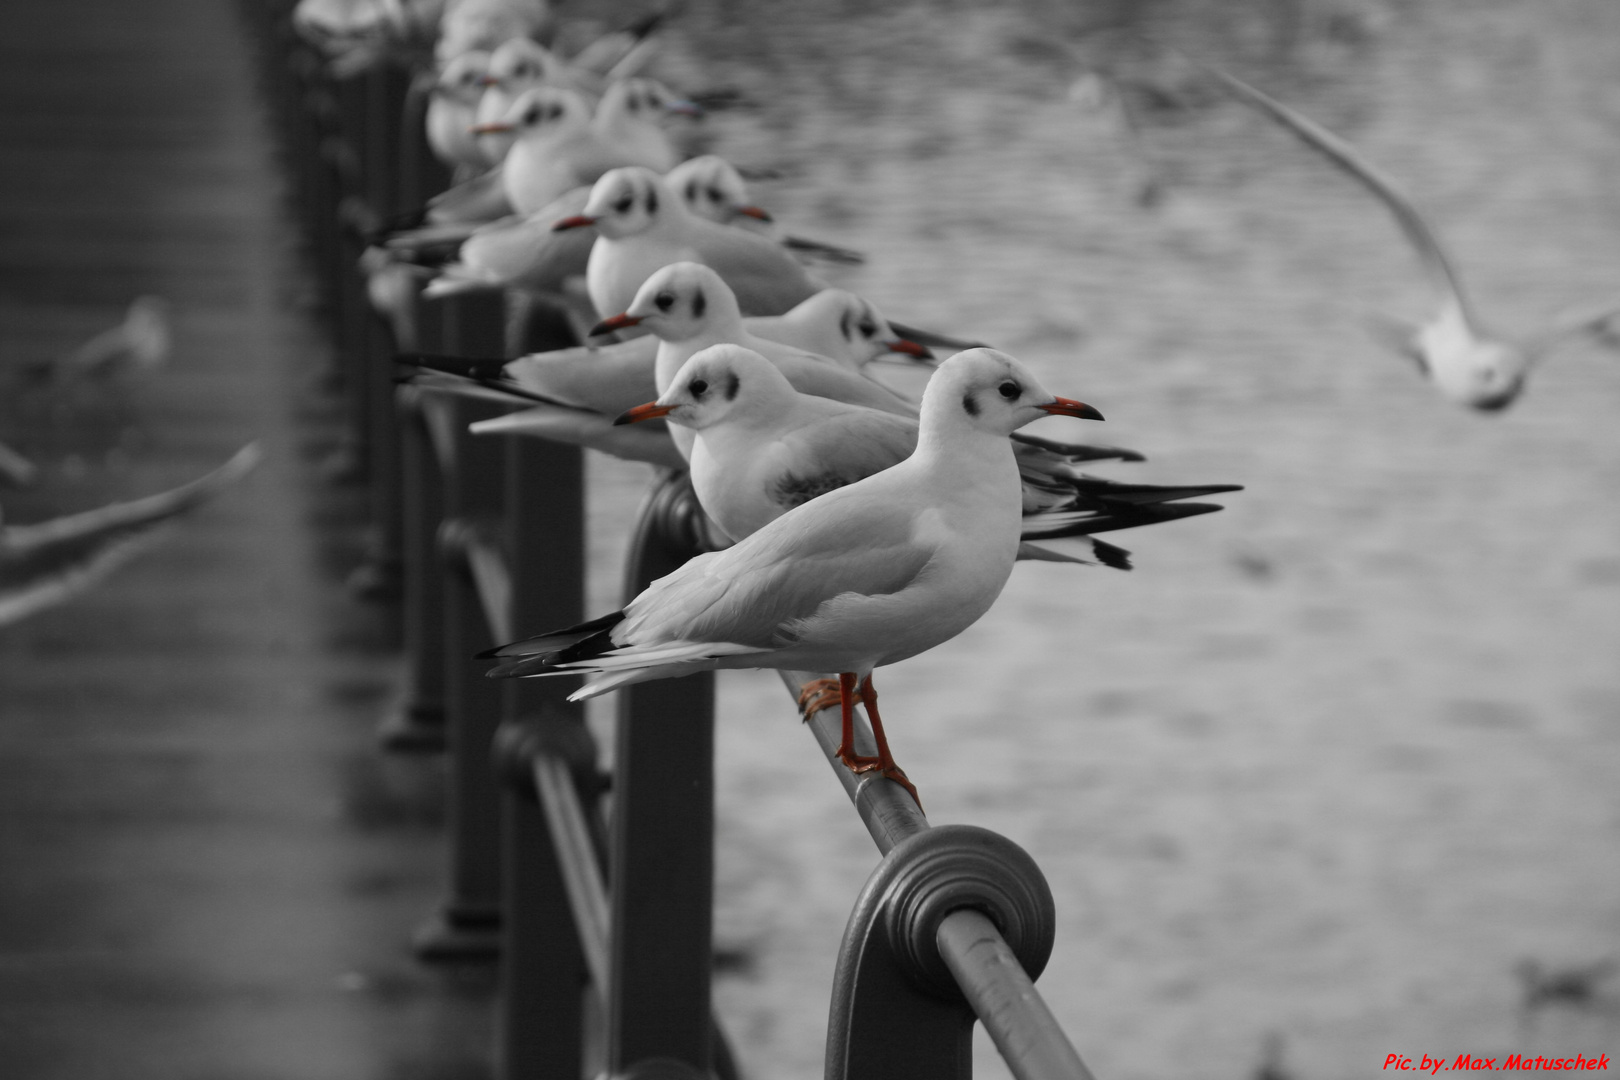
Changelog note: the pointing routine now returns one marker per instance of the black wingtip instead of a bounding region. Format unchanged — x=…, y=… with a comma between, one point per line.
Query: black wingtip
x=467, y=367
x=1110, y=555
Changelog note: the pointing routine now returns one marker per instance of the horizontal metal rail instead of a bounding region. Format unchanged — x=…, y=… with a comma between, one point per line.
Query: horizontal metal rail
x=1000, y=991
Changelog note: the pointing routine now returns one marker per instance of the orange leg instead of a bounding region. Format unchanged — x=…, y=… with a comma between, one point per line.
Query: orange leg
x=884, y=762
x=818, y=694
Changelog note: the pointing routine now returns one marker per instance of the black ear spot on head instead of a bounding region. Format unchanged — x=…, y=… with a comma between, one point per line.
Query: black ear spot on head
x=700, y=304
x=970, y=405
x=732, y=383
x=652, y=201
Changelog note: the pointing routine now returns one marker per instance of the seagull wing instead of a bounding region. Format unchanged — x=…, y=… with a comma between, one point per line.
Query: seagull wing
x=1438, y=267
x=42, y=565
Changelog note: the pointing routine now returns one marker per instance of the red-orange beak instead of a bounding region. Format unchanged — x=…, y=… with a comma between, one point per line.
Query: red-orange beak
x=496, y=128
x=578, y=221
x=755, y=212
x=650, y=411
x=910, y=348
x=1069, y=407
x=489, y=80
x=615, y=322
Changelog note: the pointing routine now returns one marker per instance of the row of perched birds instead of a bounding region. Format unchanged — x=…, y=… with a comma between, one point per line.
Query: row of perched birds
x=854, y=525
x=866, y=526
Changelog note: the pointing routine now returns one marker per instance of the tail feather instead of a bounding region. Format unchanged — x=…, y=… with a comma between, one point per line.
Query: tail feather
x=561, y=646
x=821, y=250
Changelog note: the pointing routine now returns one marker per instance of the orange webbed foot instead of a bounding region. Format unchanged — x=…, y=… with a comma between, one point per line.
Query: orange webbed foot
x=818, y=694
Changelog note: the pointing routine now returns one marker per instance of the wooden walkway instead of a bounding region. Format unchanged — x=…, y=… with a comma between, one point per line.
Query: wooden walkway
x=206, y=868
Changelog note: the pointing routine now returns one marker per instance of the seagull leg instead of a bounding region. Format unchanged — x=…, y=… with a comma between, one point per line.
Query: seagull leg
x=818, y=694
x=884, y=763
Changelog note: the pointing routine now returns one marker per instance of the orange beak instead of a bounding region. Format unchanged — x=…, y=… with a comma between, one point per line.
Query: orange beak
x=755, y=212
x=578, y=221
x=612, y=323
x=1069, y=407
x=496, y=128
x=910, y=348
x=650, y=411
x=489, y=80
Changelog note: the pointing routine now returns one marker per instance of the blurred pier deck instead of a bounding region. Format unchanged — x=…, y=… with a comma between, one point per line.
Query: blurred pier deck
x=207, y=870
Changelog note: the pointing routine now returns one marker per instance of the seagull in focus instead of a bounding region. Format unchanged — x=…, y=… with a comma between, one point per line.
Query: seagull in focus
x=761, y=448
x=642, y=227
x=1467, y=364
x=139, y=344
x=44, y=564
x=866, y=575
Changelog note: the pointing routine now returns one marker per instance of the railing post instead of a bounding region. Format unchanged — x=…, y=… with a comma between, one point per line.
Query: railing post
x=662, y=839
x=897, y=1011
x=541, y=1009
x=467, y=926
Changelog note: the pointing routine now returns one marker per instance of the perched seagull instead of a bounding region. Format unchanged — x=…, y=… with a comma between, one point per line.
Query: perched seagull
x=518, y=252
x=44, y=564
x=620, y=54
x=762, y=448
x=689, y=308
x=643, y=227
x=608, y=379
x=514, y=67
x=465, y=25
x=452, y=110
x=139, y=344
x=628, y=121
x=867, y=575
x=1466, y=363
x=555, y=149
x=714, y=189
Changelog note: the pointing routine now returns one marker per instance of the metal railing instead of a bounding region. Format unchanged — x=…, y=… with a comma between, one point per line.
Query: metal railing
x=595, y=890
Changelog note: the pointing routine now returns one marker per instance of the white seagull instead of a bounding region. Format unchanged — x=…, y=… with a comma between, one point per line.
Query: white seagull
x=714, y=189
x=866, y=575
x=643, y=227
x=452, y=110
x=43, y=564
x=762, y=448
x=1466, y=363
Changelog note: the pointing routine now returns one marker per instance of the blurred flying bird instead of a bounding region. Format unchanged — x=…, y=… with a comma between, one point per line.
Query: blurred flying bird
x=139, y=344
x=1466, y=363
x=44, y=564
x=16, y=470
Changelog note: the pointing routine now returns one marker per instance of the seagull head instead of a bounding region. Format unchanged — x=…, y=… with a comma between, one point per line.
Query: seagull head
x=712, y=188
x=865, y=335
x=723, y=383
x=680, y=302
x=987, y=390
x=520, y=63
x=462, y=78
x=540, y=112
x=642, y=99
x=625, y=202
x=1496, y=376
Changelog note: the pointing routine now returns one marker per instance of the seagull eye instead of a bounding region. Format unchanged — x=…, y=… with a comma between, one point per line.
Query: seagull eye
x=554, y=112
x=691, y=191
x=867, y=328
x=699, y=387
x=532, y=116
x=652, y=202
x=664, y=301
x=715, y=195
x=623, y=205
x=1009, y=390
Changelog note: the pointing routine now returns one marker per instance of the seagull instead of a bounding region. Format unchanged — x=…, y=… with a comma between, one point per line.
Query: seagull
x=1467, y=364
x=714, y=189
x=485, y=24
x=867, y=575
x=452, y=109
x=761, y=448
x=643, y=227
x=43, y=564
x=554, y=151
x=139, y=344
x=628, y=120
x=690, y=307
x=516, y=66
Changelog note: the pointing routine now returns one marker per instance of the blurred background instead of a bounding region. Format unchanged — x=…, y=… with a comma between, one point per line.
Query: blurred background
x=1329, y=776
